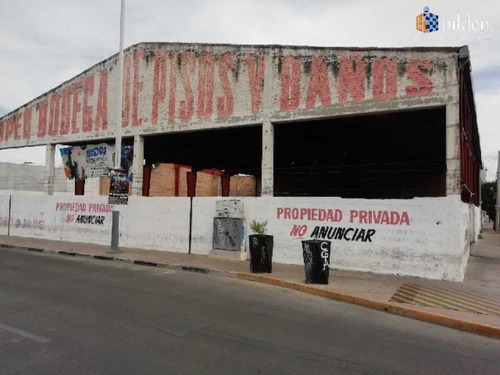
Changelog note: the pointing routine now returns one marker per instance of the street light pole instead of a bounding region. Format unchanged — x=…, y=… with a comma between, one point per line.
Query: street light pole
x=118, y=129
x=115, y=224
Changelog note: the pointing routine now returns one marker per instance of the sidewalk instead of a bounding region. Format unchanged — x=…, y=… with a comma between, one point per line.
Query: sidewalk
x=473, y=305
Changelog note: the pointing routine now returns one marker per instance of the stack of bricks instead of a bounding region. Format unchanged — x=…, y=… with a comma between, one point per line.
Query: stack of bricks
x=162, y=182
x=208, y=183
x=243, y=186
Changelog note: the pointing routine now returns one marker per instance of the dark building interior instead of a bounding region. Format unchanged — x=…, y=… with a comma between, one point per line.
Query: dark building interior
x=234, y=150
x=392, y=155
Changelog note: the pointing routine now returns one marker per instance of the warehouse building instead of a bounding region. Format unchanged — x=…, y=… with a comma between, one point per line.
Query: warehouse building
x=337, y=142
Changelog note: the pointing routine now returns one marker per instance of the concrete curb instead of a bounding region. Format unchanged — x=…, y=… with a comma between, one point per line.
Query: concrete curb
x=180, y=267
x=390, y=307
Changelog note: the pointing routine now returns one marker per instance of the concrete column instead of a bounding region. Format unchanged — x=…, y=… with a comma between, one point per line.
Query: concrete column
x=50, y=172
x=137, y=165
x=453, y=186
x=267, y=188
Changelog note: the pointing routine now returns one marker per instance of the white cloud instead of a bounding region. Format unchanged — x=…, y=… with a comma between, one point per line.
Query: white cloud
x=45, y=43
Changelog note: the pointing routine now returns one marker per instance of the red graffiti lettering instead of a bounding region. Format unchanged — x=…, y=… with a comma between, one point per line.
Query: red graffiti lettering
x=173, y=87
x=298, y=230
x=88, y=90
x=136, y=121
x=54, y=115
x=101, y=118
x=187, y=70
x=225, y=104
x=279, y=212
x=77, y=107
x=159, y=82
x=256, y=65
x=42, y=118
x=319, y=84
x=65, y=111
x=8, y=128
x=379, y=217
x=15, y=126
x=385, y=79
x=290, y=83
x=352, y=80
x=127, y=64
x=422, y=84
x=27, y=123
x=206, y=85
x=315, y=214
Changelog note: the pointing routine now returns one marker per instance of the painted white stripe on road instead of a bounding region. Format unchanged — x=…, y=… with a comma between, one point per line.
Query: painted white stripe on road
x=20, y=332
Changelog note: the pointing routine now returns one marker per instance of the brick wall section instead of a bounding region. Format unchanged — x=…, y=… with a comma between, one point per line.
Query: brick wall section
x=183, y=181
x=207, y=185
x=162, y=181
x=242, y=186
x=104, y=185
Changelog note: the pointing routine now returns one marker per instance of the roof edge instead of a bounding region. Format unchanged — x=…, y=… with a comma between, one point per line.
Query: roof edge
x=267, y=46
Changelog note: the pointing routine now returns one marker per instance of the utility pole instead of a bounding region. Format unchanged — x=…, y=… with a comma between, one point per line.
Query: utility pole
x=115, y=223
x=118, y=129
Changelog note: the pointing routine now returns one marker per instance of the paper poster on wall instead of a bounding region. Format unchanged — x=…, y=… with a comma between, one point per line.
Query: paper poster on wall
x=118, y=187
x=90, y=161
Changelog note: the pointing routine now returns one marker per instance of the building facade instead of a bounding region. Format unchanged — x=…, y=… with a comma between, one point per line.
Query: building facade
x=375, y=149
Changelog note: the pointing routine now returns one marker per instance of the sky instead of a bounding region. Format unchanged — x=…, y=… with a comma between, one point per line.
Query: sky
x=46, y=42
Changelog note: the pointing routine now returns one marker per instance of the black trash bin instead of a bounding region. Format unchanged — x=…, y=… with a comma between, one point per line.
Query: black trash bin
x=261, y=253
x=316, y=261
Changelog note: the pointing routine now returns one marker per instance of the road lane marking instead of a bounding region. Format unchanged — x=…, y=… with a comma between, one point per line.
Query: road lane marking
x=22, y=333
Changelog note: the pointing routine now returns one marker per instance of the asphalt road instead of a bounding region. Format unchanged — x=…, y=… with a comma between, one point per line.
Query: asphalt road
x=65, y=315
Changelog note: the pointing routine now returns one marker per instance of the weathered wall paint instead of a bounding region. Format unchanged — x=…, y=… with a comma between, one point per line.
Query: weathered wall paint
x=24, y=177
x=178, y=87
x=4, y=213
x=155, y=223
x=478, y=221
x=431, y=243
x=69, y=218
x=150, y=223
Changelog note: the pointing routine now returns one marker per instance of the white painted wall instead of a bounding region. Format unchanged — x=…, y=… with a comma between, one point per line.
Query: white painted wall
x=23, y=177
x=432, y=244
x=44, y=217
x=479, y=221
x=4, y=213
x=464, y=232
x=150, y=223
x=155, y=223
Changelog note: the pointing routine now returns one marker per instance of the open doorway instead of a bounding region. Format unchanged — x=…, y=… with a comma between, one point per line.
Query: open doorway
x=391, y=155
